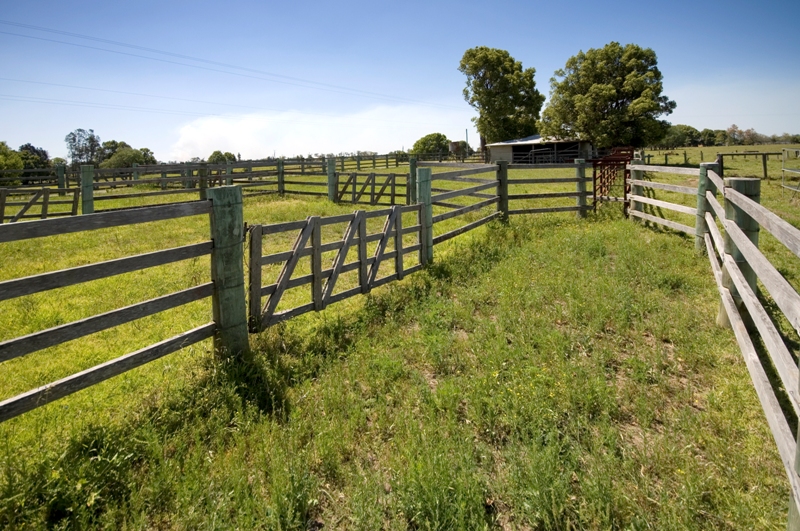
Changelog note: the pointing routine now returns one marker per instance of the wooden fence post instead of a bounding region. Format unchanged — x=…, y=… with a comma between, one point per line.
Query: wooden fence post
x=358, y=162
x=281, y=185
x=704, y=184
x=412, y=180
x=87, y=189
x=201, y=176
x=342, y=165
x=636, y=189
x=135, y=165
x=163, y=180
x=227, y=270
x=580, y=187
x=254, y=274
x=423, y=183
x=60, y=179
x=502, y=189
x=333, y=182
x=387, y=161
x=752, y=189
x=720, y=164
x=229, y=173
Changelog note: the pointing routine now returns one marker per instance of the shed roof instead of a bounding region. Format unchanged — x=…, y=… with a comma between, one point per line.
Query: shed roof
x=529, y=141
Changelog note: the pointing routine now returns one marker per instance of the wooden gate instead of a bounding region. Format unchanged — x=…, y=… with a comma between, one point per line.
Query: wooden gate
x=39, y=197
x=353, y=191
x=308, y=243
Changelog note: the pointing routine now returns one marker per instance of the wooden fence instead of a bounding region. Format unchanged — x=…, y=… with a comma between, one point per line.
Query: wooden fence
x=37, y=203
x=20, y=287
x=640, y=200
x=729, y=234
x=378, y=257
x=309, y=242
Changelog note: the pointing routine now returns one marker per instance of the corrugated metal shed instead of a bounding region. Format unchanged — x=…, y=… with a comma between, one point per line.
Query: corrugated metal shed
x=537, y=150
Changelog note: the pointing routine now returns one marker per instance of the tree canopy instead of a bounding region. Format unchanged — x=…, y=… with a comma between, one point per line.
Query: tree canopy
x=34, y=157
x=504, y=94
x=218, y=157
x=126, y=156
x=432, y=143
x=84, y=147
x=9, y=159
x=611, y=96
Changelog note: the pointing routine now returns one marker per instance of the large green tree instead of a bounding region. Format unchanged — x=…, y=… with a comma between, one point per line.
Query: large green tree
x=218, y=157
x=124, y=157
x=611, y=96
x=34, y=157
x=432, y=143
x=84, y=147
x=504, y=94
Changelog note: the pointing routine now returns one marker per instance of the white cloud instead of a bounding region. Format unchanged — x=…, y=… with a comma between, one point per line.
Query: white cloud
x=260, y=135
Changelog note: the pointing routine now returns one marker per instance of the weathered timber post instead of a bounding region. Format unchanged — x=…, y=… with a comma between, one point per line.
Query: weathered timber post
x=752, y=189
x=373, y=162
x=387, y=161
x=163, y=180
x=87, y=189
x=685, y=158
x=62, y=183
x=135, y=165
x=502, y=189
x=358, y=162
x=227, y=270
x=281, y=185
x=411, y=185
x=342, y=166
x=793, y=523
x=666, y=159
x=333, y=182
x=580, y=187
x=636, y=189
x=189, y=181
x=228, y=173
x=423, y=182
x=201, y=176
x=704, y=185
x=720, y=164
x=302, y=166
x=764, y=164
x=701, y=156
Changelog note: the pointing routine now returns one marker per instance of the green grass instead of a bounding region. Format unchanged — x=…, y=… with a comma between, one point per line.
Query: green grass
x=553, y=374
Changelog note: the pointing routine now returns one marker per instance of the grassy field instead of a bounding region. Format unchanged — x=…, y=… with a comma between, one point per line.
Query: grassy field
x=552, y=374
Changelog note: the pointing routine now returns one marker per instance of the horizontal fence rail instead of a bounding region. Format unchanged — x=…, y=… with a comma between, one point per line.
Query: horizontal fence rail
x=731, y=240
x=308, y=243
x=639, y=199
x=14, y=288
x=727, y=229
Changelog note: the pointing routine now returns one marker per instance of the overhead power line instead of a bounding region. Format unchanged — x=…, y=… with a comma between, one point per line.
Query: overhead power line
x=262, y=75
x=205, y=102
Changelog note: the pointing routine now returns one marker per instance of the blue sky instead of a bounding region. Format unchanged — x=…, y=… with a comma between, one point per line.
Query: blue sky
x=299, y=77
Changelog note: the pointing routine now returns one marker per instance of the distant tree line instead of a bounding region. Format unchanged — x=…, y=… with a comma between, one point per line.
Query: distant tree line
x=685, y=136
